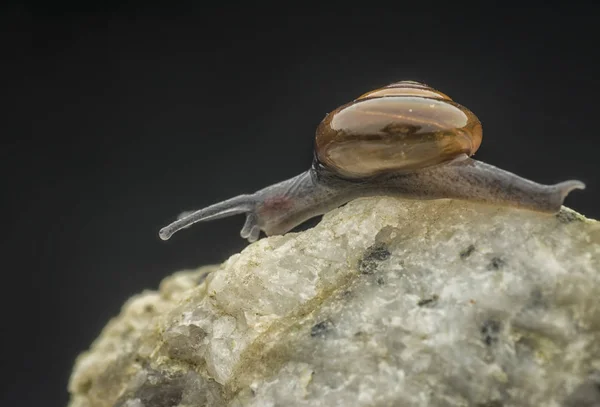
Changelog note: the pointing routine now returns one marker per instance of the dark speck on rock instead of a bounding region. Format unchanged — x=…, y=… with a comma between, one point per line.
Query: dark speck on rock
x=490, y=331
x=159, y=390
x=565, y=216
x=380, y=281
x=372, y=257
x=496, y=263
x=321, y=328
x=202, y=277
x=537, y=298
x=379, y=252
x=467, y=252
x=426, y=301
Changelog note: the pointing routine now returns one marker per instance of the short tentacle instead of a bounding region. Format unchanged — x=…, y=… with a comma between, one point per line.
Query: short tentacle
x=254, y=234
x=567, y=187
x=249, y=225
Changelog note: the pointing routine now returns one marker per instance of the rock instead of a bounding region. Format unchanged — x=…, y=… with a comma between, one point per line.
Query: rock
x=385, y=302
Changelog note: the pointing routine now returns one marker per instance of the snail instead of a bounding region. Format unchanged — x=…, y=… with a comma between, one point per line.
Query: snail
x=405, y=139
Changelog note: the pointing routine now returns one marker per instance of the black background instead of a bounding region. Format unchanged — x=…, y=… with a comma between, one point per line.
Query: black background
x=118, y=118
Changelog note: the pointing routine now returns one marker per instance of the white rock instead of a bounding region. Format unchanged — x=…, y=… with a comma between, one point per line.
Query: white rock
x=385, y=302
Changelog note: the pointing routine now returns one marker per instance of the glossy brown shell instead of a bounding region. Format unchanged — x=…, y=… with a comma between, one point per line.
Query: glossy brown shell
x=402, y=127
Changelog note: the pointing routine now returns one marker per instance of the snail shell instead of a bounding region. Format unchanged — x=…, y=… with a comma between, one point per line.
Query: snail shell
x=402, y=127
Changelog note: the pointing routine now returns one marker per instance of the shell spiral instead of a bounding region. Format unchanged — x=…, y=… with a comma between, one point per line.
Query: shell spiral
x=405, y=126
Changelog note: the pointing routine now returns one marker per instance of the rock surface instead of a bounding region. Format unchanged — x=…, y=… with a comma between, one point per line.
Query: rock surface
x=384, y=303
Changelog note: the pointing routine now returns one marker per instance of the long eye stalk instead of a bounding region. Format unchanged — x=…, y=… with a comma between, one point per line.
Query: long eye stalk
x=233, y=206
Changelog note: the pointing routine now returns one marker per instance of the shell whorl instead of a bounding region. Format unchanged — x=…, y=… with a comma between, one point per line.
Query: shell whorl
x=402, y=127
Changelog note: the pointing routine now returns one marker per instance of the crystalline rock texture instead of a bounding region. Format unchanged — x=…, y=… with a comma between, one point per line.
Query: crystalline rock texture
x=385, y=302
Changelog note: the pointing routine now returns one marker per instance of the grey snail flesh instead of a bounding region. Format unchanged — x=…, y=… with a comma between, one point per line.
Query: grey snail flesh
x=406, y=140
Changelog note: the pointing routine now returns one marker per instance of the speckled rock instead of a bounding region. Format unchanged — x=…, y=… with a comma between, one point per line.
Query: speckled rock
x=385, y=302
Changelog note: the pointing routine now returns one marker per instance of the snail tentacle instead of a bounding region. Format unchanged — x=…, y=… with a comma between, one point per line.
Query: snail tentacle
x=234, y=206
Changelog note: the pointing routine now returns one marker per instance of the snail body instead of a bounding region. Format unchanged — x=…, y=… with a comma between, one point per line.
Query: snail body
x=406, y=139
